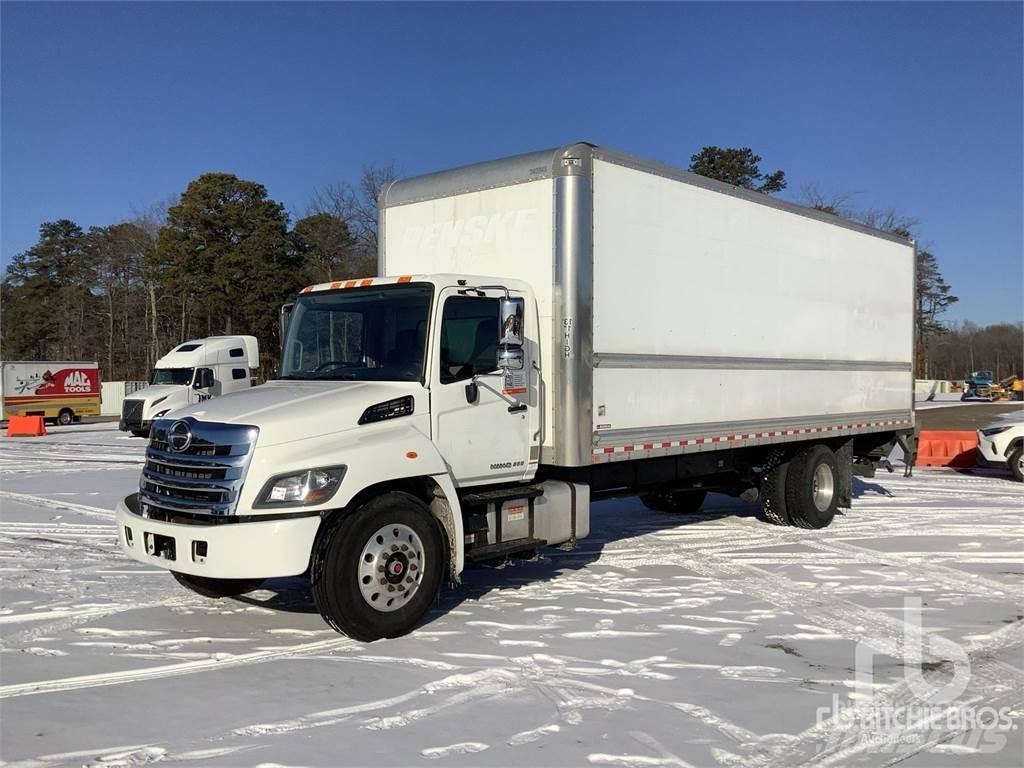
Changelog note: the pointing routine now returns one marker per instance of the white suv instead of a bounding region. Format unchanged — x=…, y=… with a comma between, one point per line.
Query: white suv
x=1003, y=443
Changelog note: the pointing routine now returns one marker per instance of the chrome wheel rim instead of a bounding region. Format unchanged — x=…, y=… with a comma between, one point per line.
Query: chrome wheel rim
x=391, y=567
x=823, y=486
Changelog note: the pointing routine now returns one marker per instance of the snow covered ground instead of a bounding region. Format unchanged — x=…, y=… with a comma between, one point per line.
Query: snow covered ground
x=660, y=641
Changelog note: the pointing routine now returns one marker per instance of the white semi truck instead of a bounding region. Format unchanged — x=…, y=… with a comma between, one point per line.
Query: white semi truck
x=191, y=373
x=547, y=329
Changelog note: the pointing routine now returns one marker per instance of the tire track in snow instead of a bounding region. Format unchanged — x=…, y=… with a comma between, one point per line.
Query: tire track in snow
x=50, y=503
x=171, y=670
x=999, y=682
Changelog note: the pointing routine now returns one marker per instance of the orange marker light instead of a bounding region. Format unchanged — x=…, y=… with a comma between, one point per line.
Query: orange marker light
x=405, y=279
x=411, y=454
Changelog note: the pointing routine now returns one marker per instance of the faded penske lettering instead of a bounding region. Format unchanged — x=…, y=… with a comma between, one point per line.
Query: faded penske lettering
x=469, y=233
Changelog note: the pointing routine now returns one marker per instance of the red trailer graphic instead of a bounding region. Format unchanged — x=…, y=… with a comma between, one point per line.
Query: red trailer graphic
x=62, y=391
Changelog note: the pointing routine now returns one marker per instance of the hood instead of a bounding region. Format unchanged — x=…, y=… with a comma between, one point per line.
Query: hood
x=294, y=410
x=152, y=393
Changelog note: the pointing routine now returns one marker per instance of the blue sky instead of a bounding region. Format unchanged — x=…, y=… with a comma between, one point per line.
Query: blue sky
x=917, y=106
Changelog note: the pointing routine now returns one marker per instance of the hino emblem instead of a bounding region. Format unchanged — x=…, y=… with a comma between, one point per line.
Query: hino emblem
x=179, y=437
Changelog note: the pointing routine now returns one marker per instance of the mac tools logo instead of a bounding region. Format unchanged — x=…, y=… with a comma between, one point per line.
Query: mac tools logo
x=472, y=234
x=77, y=381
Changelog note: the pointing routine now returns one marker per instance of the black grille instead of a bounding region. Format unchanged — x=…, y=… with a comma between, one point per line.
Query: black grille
x=131, y=411
x=204, y=479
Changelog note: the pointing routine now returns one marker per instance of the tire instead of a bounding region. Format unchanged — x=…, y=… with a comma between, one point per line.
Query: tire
x=141, y=432
x=216, y=588
x=686, y=502
x=377, y=571
x=65, y=417
x=812, y=487
x=773, y=492
x=1016, y=462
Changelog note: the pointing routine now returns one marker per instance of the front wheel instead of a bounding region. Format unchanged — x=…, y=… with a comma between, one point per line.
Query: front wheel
x=216, y=588
x=1016, y=462
x=65, y=417
x=376, y=572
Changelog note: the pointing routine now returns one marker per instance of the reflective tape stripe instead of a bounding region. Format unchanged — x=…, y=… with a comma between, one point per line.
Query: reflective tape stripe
x=739, y=438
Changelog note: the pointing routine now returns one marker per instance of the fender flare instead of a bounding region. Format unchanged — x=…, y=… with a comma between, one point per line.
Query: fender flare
x=448, y=512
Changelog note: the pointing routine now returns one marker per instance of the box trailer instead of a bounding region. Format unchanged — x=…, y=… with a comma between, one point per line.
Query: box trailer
x=545, y=329
x=56, y=390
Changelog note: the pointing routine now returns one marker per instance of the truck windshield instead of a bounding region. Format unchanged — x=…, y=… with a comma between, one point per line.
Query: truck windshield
x=371, y=334
x=180, y=376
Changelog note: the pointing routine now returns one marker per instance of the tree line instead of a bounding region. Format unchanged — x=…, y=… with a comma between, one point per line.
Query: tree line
x=219, y=259
x=222, y=258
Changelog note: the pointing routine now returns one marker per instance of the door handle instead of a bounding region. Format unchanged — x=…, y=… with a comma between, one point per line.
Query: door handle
x=518, y=408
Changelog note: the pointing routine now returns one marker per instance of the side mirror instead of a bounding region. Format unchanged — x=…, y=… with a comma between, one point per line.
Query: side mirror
x=513, y=310
x=510, y=334
x=283, y=316
x=204, y=379
x=510, y=358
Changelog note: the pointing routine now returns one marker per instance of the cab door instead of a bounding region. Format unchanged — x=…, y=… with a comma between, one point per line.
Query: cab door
x=202, y=386
x=480, y=419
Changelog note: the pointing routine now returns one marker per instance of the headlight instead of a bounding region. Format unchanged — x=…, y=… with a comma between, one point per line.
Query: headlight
x=994, y=430
x=301, y=489
x=161, y=414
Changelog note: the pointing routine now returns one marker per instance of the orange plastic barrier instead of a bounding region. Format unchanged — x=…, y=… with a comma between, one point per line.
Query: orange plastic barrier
x=947, y=448
x=26, y=426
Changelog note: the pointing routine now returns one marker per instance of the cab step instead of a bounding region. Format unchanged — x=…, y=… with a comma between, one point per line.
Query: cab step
x=504, y=549
x=498, y=495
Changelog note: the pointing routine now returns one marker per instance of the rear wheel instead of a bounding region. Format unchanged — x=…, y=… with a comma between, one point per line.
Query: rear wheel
x=65, y=417
x=678, y=502
x=1017, y=463
x=207, y=587
x=377, y=571
x=812, y=496
x=773, y=492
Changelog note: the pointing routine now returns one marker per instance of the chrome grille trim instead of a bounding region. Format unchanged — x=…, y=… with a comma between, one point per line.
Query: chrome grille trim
x=206, y=478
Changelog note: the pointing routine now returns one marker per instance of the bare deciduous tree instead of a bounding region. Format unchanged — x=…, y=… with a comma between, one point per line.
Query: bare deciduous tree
x=357, y=205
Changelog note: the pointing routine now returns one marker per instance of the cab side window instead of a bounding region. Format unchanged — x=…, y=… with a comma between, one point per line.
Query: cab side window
x=469, y=338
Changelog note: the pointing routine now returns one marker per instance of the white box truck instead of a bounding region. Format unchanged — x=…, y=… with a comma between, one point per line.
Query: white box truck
x=191, y=373
x=59, y=391
x=547, y=329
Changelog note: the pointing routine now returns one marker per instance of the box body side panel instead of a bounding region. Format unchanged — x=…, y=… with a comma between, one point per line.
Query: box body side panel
x=709, y=308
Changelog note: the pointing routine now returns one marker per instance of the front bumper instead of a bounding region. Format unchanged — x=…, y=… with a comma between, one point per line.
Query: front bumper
x=133, y=426
x=989, y=451
x=235, y=550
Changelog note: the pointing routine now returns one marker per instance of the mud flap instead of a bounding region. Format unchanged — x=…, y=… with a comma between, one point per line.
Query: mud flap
x=844, y=463
x=907, y=441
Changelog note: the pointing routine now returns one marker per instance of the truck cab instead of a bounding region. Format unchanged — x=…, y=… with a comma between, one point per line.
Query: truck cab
x=396, y=398
x=192, y=372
